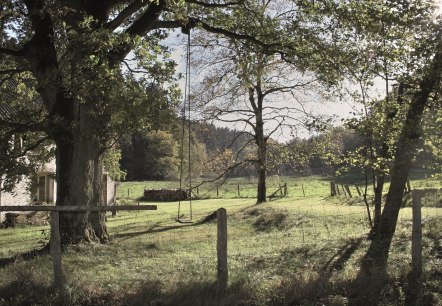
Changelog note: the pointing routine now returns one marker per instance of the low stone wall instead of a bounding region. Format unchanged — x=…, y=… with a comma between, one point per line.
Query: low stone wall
x=165, y=195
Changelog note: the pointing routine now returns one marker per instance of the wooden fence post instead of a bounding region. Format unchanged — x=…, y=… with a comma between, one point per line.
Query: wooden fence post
x=55, y=247
x=416, y=236
x=347, y=188
x=221, y=248
x=332, y=189
x=358, y=190
x=239, y=194
x=217, y=192
x=303, y=192
x=343, y=191
x=286, y=191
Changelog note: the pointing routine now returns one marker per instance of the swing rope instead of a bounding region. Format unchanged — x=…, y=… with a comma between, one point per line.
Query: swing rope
x=186, y=103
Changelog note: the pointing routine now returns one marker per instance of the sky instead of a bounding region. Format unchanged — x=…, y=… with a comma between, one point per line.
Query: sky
x=337, y=109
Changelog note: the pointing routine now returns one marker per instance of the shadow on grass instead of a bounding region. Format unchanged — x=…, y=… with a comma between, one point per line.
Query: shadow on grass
x=29, y=255
x=337, y=261
x=153, y=229
x=188, y=294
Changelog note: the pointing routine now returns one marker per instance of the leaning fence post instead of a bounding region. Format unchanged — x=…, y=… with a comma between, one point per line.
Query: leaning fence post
x=416, y=236
x=347, y=188
x=221, y=248
x=358, y=190
x=343, y=191
x=55, y=246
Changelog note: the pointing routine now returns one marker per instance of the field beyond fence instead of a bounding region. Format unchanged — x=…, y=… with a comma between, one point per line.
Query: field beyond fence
x=296, y=250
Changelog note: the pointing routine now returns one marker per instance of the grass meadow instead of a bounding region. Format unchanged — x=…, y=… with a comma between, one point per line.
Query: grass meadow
x=294, y=250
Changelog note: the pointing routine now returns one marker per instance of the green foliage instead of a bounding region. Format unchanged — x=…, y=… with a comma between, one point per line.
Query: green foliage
x=111, y=162
x=150, y=155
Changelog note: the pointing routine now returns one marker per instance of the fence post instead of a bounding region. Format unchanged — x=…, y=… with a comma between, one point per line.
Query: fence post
x=239, y=195
x=343, y=191
x=332, y=189
x=416, y=236
x=303, y=192
x=347, y=188
x=286, y=191
x=221, y=248
x=358, y=190
x=55, y=247
x=217, y=192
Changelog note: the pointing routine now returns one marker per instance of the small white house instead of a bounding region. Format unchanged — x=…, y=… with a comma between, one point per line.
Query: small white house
x=46, y=190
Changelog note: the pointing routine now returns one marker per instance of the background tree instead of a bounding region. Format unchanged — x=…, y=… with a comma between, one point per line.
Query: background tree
x=240, y=82
x=412, y=49
x=150, y=155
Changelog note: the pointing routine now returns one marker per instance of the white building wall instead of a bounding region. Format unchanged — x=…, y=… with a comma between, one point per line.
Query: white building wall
x=19, y=196
x=111, y=190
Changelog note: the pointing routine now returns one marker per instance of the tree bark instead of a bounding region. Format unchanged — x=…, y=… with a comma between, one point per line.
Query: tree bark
x=377, y=255
x=79, y=182
x=380, y=180
x=261, y=143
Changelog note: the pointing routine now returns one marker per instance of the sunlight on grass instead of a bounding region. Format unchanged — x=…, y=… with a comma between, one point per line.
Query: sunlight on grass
x=294, y=249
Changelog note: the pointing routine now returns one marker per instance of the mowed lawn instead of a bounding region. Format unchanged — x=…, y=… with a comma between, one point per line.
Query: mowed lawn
x=294, y=250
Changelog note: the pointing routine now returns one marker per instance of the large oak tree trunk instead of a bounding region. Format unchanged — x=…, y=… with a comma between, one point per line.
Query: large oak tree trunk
x=79, y=183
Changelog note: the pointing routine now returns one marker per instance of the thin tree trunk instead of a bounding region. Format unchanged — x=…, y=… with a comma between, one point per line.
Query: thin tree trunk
x=261, y=143
x=377, y=254
x=380, y=180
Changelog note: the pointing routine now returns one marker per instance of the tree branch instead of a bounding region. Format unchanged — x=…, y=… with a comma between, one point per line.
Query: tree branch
x=127, y=12
x=16, y=53
x=213, y=5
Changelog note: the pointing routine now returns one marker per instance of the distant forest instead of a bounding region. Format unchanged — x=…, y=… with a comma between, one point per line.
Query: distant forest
x=217, y=151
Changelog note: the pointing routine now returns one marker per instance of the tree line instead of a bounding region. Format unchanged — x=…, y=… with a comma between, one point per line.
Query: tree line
x=155, y=154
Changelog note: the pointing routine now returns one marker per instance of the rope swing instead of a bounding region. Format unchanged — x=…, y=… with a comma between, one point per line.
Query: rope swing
x=184, y=117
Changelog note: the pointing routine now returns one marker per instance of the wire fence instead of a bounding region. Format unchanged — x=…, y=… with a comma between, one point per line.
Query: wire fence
x=267, y=245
